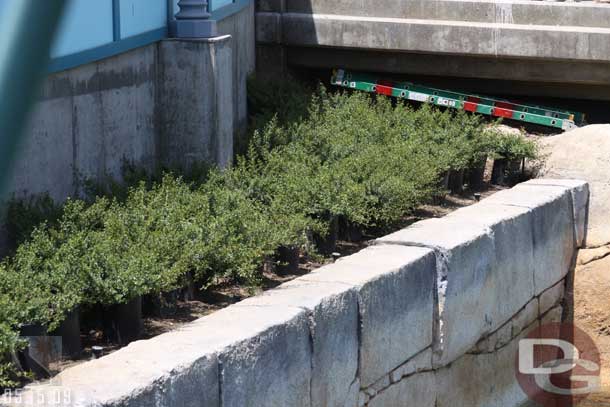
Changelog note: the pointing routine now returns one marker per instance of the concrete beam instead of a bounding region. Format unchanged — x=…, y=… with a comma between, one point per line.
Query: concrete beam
x=578, y=14
x=438, y=37
x=590, y=79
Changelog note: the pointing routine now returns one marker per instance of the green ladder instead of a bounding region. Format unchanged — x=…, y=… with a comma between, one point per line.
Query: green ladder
x=544, y=116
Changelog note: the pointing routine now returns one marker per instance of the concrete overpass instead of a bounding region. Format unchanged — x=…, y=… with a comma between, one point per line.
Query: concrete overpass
x=559, y=49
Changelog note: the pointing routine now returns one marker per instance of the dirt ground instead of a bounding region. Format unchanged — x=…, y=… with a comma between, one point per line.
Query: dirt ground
x=592, y=314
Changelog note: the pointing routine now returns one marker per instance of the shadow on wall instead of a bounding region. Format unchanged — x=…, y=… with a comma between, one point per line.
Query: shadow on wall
x=271, y=35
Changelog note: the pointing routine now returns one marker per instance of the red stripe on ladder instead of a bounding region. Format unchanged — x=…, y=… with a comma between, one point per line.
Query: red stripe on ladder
x=470, y=107
x=498, y=112
x=384, y=88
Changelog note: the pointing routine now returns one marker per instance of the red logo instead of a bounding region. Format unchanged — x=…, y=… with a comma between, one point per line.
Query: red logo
x=558, y=365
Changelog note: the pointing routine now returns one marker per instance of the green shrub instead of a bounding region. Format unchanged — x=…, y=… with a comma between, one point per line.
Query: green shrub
x=24, y=215
x=367, y=161
x=513, y=146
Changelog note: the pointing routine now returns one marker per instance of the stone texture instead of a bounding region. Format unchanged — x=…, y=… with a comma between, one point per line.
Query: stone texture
x=465, y=255
x=554, y=315
x=270, y=369
x=551, y=297
x=332, y=308
x=551, y=215
x=580, y=202
x=417, y=390
x=586, y=256
x=141, y=373
x=396, y=302
x=525, y=317
x=419, y=363
x=482, y=380
x=513, y=264
x=479, y=288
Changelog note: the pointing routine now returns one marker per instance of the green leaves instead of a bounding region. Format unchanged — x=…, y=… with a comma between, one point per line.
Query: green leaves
x=366, y=161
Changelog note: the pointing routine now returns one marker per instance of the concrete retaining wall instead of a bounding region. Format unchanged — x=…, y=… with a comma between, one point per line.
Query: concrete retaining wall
x=428, y=316
x=168, y=102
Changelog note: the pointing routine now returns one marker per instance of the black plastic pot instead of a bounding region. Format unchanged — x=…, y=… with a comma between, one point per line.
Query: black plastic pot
x=123, y=322
x=514, y=171
x=456, y=181
x=69, y=330
x=326, y=245
x=498, y=175
x=349, y=231
x=36, y=335
x=476, y=176
x=287, y=260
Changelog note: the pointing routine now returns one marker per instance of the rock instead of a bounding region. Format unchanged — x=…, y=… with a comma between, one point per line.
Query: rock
x=482, y=380
x=396, y=294
x=551, y=297
x=586, y=256
x=479, y=287
x=419, y=363
x=332, y=308
x=417, y=390
x=580, y=202
x=525, y=317
x=551, y=215
x=584, y=154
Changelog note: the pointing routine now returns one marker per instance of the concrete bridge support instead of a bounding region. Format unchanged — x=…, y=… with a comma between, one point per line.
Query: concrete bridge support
x=562, y=47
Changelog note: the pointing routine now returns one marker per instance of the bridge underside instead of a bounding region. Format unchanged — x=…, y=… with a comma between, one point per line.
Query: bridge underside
x=534, y=48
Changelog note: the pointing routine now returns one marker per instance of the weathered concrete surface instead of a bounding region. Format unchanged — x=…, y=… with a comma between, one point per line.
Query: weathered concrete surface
x=584, y=154
x=561, y=47
x=171, y=100
x=436, y=36
x=240, y=27
x=196, y=111
x=551, y=297
x=332, y=308
x=491, y=11
x=482, y=283
x=249, y=369
x=486, y=379
x=580, y=203
x=417, y=390
x=465, y=254
x=552, y=218
x=142, y=373
x=396, y=301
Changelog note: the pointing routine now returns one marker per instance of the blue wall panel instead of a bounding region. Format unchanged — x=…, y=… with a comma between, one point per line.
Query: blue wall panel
x=94, y=29
x=216, y=4
x=140, y=16
x=86, y=24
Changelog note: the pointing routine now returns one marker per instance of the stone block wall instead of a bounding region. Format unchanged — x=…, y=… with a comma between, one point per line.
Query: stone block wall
x=429, y=316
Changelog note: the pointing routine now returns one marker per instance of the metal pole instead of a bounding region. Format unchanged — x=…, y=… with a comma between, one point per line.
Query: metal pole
x=193, y=20
x=26, y=34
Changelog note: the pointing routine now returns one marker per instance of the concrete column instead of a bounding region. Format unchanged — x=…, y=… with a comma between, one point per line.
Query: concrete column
x=193, y=20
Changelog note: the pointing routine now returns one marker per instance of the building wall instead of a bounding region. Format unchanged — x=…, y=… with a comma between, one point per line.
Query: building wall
x=170, y=102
